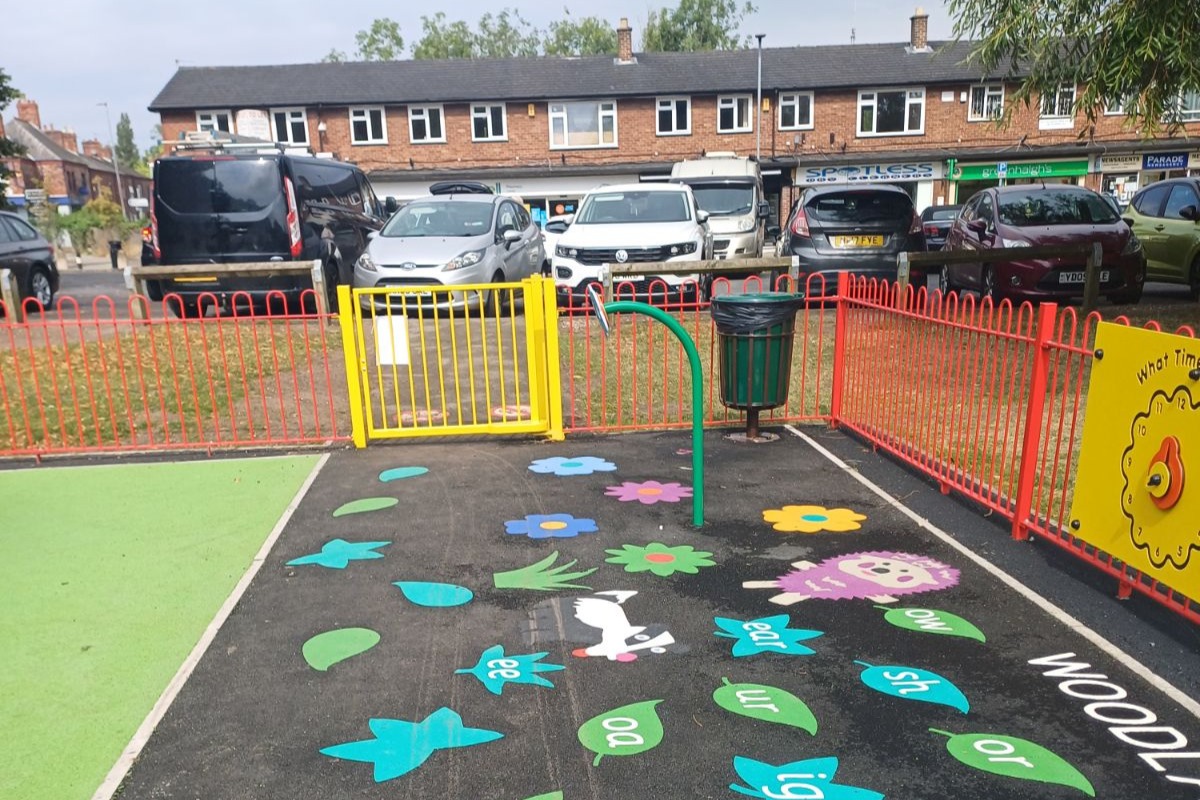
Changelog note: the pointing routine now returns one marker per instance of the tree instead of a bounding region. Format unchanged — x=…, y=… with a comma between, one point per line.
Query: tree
x=8, y=148
x=127, y=152
x=504, y=35
x=381, y=42
x=1144, y=55
x=440, y=40
x=590, y=36
x=334, y=56
x=697, y=25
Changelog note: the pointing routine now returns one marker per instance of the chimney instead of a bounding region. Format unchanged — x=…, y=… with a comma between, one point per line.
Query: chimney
x=106, y=153
x=27, y=111
x=624, y=42
x=56, y=136
x=92, y=148
x=918, y=38
x=70, y=140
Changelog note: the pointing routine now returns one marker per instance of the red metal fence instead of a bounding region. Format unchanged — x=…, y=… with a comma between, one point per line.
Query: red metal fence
x=100, y=378
x=988, y=400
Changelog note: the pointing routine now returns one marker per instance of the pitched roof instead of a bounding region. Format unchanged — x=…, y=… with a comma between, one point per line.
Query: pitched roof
x=552, y=77
x=38, y=146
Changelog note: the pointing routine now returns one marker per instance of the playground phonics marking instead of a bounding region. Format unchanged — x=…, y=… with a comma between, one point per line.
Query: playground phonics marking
x=765, y=635
x=494, y=669
x=799, y=780
x=766, y=703
x=624, y=731
x=910, y=683
x=1131, y=724
x=1014, y=758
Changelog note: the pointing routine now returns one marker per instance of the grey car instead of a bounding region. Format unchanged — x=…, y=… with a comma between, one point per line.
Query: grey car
x=30, y=257
x=453, y=240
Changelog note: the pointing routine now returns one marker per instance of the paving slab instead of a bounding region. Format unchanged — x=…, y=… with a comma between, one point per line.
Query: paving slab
x=859, y=675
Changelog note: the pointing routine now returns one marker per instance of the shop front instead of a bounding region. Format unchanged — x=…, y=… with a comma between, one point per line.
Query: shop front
x=917, y=177
x=971, y=178
x=1120, y=176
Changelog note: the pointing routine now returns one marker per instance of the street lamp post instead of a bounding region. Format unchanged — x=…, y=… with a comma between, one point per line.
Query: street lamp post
x=758, y=105
x=112, y=141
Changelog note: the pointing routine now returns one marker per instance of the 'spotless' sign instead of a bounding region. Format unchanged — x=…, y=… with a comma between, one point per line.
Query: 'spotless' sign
x=858, y=173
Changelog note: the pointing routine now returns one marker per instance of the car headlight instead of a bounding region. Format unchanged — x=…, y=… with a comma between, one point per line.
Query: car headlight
x=1133, y=245
x=565, y=252
x=747, y=225
x=682, y=249
x=467, y=259
x=1014, y=243
x=366, y=262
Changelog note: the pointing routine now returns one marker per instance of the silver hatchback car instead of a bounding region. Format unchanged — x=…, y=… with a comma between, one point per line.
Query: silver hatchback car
x=453, y=240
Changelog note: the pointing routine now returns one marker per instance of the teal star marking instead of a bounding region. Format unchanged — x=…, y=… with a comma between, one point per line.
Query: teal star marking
x=337, y=553
x=765, y=635
x=400, y=746
x=496, y=669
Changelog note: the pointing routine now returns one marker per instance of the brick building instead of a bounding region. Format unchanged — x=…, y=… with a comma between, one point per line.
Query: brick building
x=55, y=162
x=912, y=113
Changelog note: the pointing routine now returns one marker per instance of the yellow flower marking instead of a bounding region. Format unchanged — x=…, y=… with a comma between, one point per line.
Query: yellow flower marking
x=813, y=519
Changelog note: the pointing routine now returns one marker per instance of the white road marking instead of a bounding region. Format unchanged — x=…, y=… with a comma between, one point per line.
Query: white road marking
x=1135, y=666
x=132, y=750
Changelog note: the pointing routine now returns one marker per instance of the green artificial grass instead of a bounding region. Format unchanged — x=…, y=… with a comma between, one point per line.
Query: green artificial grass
x=109, y=576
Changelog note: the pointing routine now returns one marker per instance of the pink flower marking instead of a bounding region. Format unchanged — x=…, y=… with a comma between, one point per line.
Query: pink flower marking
x=649, y=492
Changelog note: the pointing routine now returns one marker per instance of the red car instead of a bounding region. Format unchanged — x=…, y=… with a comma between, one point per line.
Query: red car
x=1016, y=217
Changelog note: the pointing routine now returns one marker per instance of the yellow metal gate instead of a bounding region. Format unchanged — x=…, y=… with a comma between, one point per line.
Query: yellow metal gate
x=443, y=361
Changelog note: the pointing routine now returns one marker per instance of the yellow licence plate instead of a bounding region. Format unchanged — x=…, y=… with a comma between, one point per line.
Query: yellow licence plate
x=857, y=241
x=197, y=279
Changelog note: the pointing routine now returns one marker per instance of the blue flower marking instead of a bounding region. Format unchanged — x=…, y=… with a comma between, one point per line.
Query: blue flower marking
x=575, y=465
x=550, y=526
x=338, y=553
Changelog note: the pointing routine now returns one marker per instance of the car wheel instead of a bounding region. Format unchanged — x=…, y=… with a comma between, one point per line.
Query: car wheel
x=988, y=285
x=39, y=286
x=186, y=307
x=1194, y=281
x=1132, y=297
x=492, y=301
x=944, y=285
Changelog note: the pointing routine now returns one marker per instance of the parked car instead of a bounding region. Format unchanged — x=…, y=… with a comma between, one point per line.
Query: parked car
x=454, y=239
x=936, y=222
x=859, y=229
x=230, y=206
x=1166, y=218
x=629, y=224
x=30, y=257
x=555, y=227
x=1016, y=217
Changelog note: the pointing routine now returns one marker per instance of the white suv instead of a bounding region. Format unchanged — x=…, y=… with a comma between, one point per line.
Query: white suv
x=631, y=223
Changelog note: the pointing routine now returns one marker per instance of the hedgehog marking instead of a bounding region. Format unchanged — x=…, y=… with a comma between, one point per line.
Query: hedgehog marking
x=879, y=576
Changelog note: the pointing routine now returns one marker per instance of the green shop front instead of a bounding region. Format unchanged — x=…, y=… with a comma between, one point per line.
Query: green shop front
x=967, y=179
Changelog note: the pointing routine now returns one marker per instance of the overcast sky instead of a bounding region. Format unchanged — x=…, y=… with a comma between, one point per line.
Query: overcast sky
x=92, y=51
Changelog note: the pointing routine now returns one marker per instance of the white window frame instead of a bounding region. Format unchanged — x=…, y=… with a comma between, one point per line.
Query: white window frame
x=601, y=112
x=732, y=101
x=212, y=115
x=1189, y=114
x=670, y=102
x=290, y=112
x=492, y=136
x=793, y=99
x=422, y=112
x=1055, y=121
x=363, y=114
x=869, y=97
x=990, y=91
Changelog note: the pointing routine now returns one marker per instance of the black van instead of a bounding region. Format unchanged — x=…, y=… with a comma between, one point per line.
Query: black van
x=219, y=207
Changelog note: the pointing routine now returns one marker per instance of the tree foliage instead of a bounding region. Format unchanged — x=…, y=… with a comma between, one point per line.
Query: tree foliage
x=8, y=148
x=589, y=36
x=697, y=25
x=381, y=42
x=1143, y=54
x=503, y=35
x=127, y=153
x=444, y=40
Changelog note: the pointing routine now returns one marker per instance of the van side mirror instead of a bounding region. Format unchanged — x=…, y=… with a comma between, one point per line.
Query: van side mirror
x=764, y=209
x=774, y=231
x=701, y=216
x=390, y=205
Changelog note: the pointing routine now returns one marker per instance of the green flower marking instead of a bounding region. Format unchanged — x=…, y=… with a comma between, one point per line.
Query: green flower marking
x=660, y=559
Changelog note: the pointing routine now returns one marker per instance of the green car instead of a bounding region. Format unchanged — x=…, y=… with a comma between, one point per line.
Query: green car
x=1166, y=218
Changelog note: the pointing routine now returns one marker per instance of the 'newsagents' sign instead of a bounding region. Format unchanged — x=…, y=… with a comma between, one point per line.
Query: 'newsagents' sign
x=1165, y=161
x=862, y=173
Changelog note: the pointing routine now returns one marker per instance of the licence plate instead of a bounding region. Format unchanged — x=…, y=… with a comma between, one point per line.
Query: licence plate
x=857, y=241
x=1077, y=276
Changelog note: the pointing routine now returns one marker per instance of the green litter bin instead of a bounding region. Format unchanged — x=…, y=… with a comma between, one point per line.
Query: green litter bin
x=754, y=337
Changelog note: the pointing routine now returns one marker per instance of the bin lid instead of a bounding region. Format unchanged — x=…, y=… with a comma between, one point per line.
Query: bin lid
x=758, y=298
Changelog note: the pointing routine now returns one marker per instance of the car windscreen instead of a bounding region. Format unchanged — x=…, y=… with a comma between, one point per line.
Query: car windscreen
x=208, y=186
x=852, y=206
x=1041, y=207
x=943, y=213
x=610, y=208
x=724, y=199
x=445, y=218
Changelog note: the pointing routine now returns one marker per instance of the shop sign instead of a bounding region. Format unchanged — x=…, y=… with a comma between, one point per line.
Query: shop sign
x=1017, y=170
x=1165, y=161
x=1194, y=161
x=1127, y=163
x=862, y=173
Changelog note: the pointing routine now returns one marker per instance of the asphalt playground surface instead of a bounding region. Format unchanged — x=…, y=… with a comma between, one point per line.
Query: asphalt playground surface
x=845, y=689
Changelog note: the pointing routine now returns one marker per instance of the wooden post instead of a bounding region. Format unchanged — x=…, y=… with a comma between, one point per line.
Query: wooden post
x=1091, y=279
x=606, y=271
x=903, y=270
x=10, y=293
x=319, y=288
